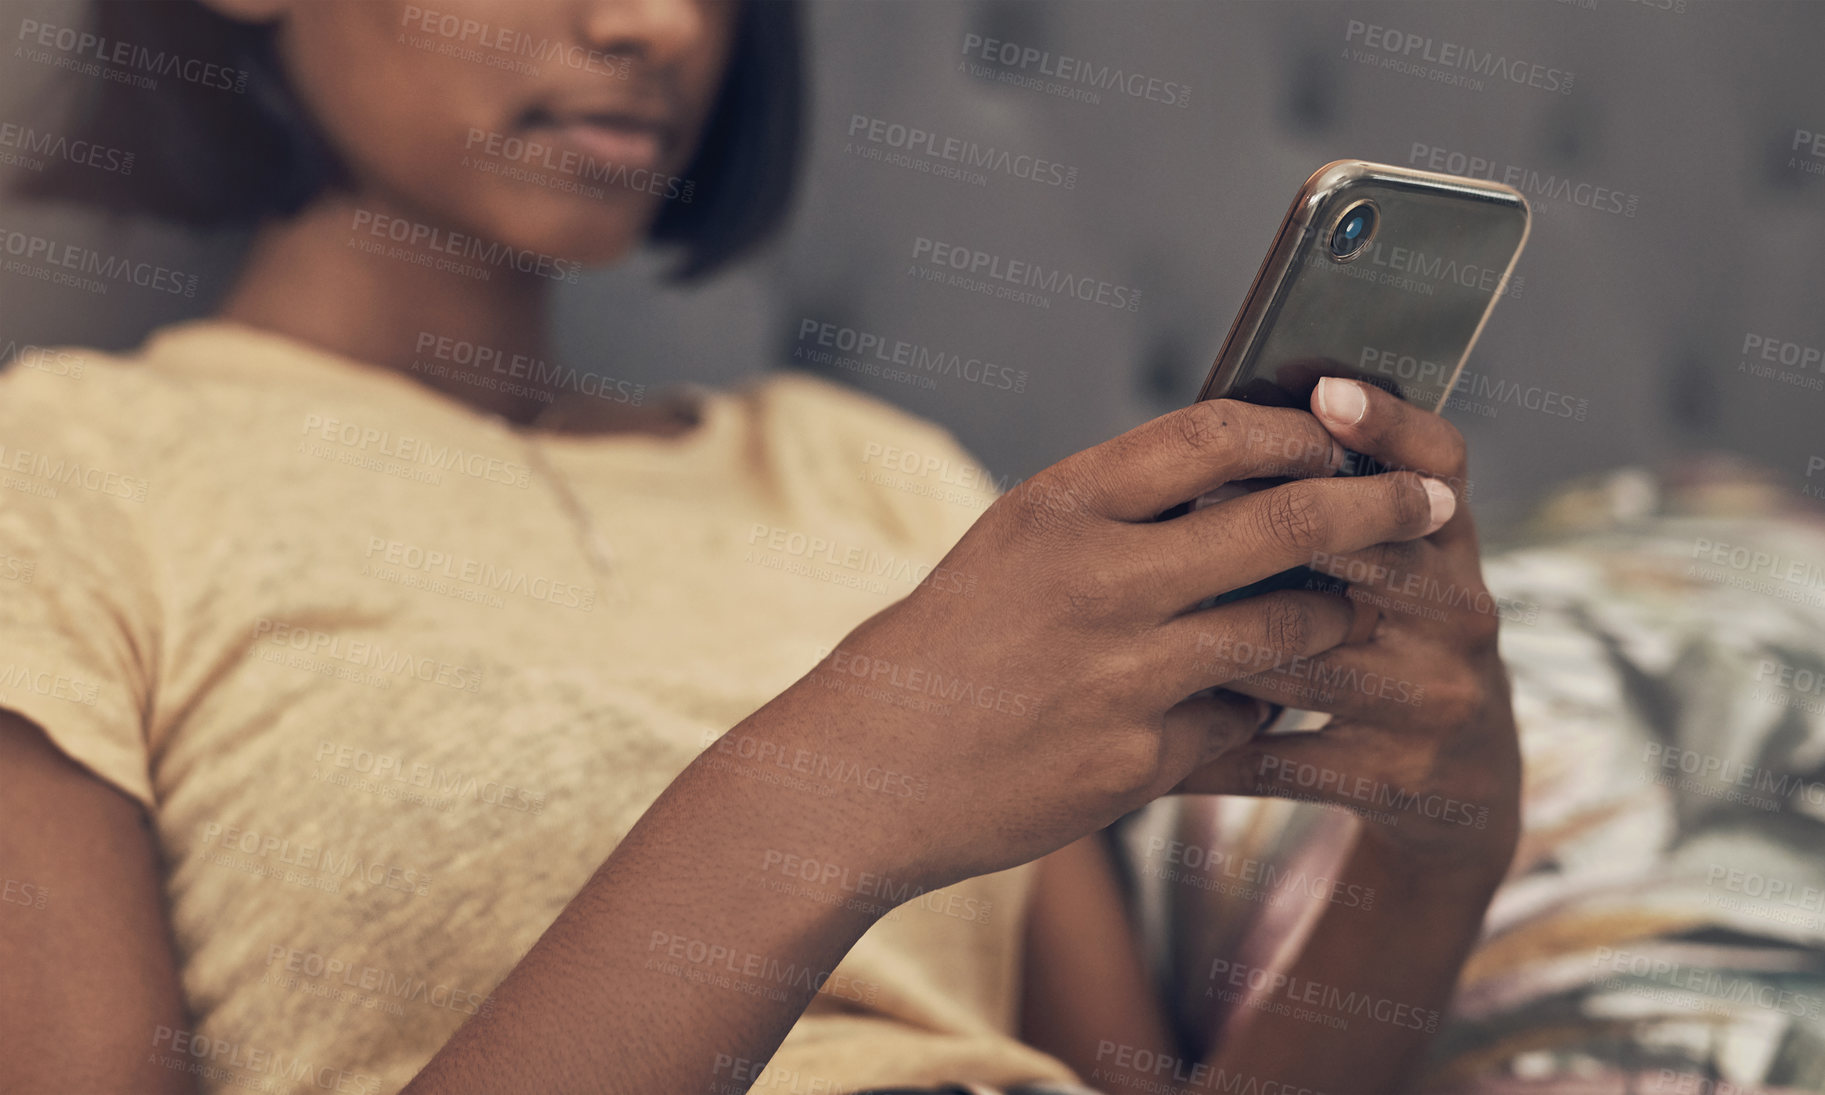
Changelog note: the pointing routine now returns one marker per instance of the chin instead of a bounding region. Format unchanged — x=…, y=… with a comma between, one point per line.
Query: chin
x=590, y=232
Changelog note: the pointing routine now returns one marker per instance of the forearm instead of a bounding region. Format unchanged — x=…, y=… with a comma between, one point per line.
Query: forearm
x=1370, y=987
x=1087, y=998
x=674, y=969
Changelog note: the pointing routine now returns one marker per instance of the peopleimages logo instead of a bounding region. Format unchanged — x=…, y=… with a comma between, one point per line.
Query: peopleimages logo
x=53, y=685
x=1541, y=185
x=426, y=241
x=870, y=345
x=464, y=37
x=783, y=543
x=457, y=567
x=1767, y=788
x=755, y=967
x=45, y=259
x=1072, y=73
x=1473, y=386
x=1796, y=571
x=1427, y=270
x=368, y=986
x=415, y=453
x=537, y=156
x=1405, y=51
x=42, y=473
x=236, y=1064
x=343, y=865
x=30, y=143
x=386, y=662
x=1791, y=354
x=966, y=153
x=1679, y=982
x=541, y=377
x=45, y=359
x=1210, y=868
x=869, y=676
x=973, y=264
x=843, y=879
x=1334, y=1006
x=87, y=53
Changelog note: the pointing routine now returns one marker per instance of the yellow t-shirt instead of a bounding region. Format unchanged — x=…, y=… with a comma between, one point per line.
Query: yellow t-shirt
x=341, y=636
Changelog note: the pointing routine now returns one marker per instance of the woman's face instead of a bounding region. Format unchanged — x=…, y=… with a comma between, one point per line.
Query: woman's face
x=557, y=126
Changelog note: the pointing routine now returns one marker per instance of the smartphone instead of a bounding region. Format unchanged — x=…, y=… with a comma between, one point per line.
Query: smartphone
x=1382, y=274
x=1378, y=273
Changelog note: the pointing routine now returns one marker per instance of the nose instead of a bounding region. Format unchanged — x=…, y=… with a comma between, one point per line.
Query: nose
x=656, y=32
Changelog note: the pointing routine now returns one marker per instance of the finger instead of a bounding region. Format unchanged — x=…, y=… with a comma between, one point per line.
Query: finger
x=1324, y=766
x=1389, y=562
x=1230, y=544
x=1415, y=584
x=1397, y=433
x=1213, y=646
x=1206, y=726
x=1392, y=430
x=1406, y=578
x=1364, y=623
x=1384, y=682
x=1352, y=765
x=1179, y=456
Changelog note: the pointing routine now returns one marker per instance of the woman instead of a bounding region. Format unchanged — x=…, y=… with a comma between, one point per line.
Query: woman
x=390, y=709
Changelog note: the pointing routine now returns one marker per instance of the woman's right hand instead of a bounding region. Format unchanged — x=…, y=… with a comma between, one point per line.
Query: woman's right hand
x=1053, y=673
x=1061, y=644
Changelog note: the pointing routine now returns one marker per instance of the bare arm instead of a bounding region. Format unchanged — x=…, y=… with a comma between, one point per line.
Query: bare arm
x=1387, y=973
x=676, y=968
x=1089, y=1003
x=1087, y=999
x=90, y=980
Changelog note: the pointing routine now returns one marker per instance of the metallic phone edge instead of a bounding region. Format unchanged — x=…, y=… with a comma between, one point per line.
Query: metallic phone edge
x=1319, y=188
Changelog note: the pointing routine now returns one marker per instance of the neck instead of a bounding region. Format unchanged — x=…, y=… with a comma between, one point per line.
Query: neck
x=307, y=278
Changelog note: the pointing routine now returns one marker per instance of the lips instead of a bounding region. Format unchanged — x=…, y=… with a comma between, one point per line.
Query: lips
x=633, y=139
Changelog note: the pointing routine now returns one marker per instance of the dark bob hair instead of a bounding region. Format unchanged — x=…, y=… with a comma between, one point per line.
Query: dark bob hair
x=214, y=157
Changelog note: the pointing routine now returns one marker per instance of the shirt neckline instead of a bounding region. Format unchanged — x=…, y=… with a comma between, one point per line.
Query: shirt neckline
x=196, y=345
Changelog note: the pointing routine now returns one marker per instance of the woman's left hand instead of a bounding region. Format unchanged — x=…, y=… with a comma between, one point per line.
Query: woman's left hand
x=1422, y=742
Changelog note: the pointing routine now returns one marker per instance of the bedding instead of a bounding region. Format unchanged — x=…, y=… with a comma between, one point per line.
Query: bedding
x=1662, y=928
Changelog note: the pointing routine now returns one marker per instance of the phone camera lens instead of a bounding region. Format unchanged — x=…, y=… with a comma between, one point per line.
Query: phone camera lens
x=1353, y=231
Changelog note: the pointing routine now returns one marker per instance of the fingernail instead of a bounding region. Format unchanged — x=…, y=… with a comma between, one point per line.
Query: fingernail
x=1342, y=401
x=1221, y=494
x=1444, y=504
